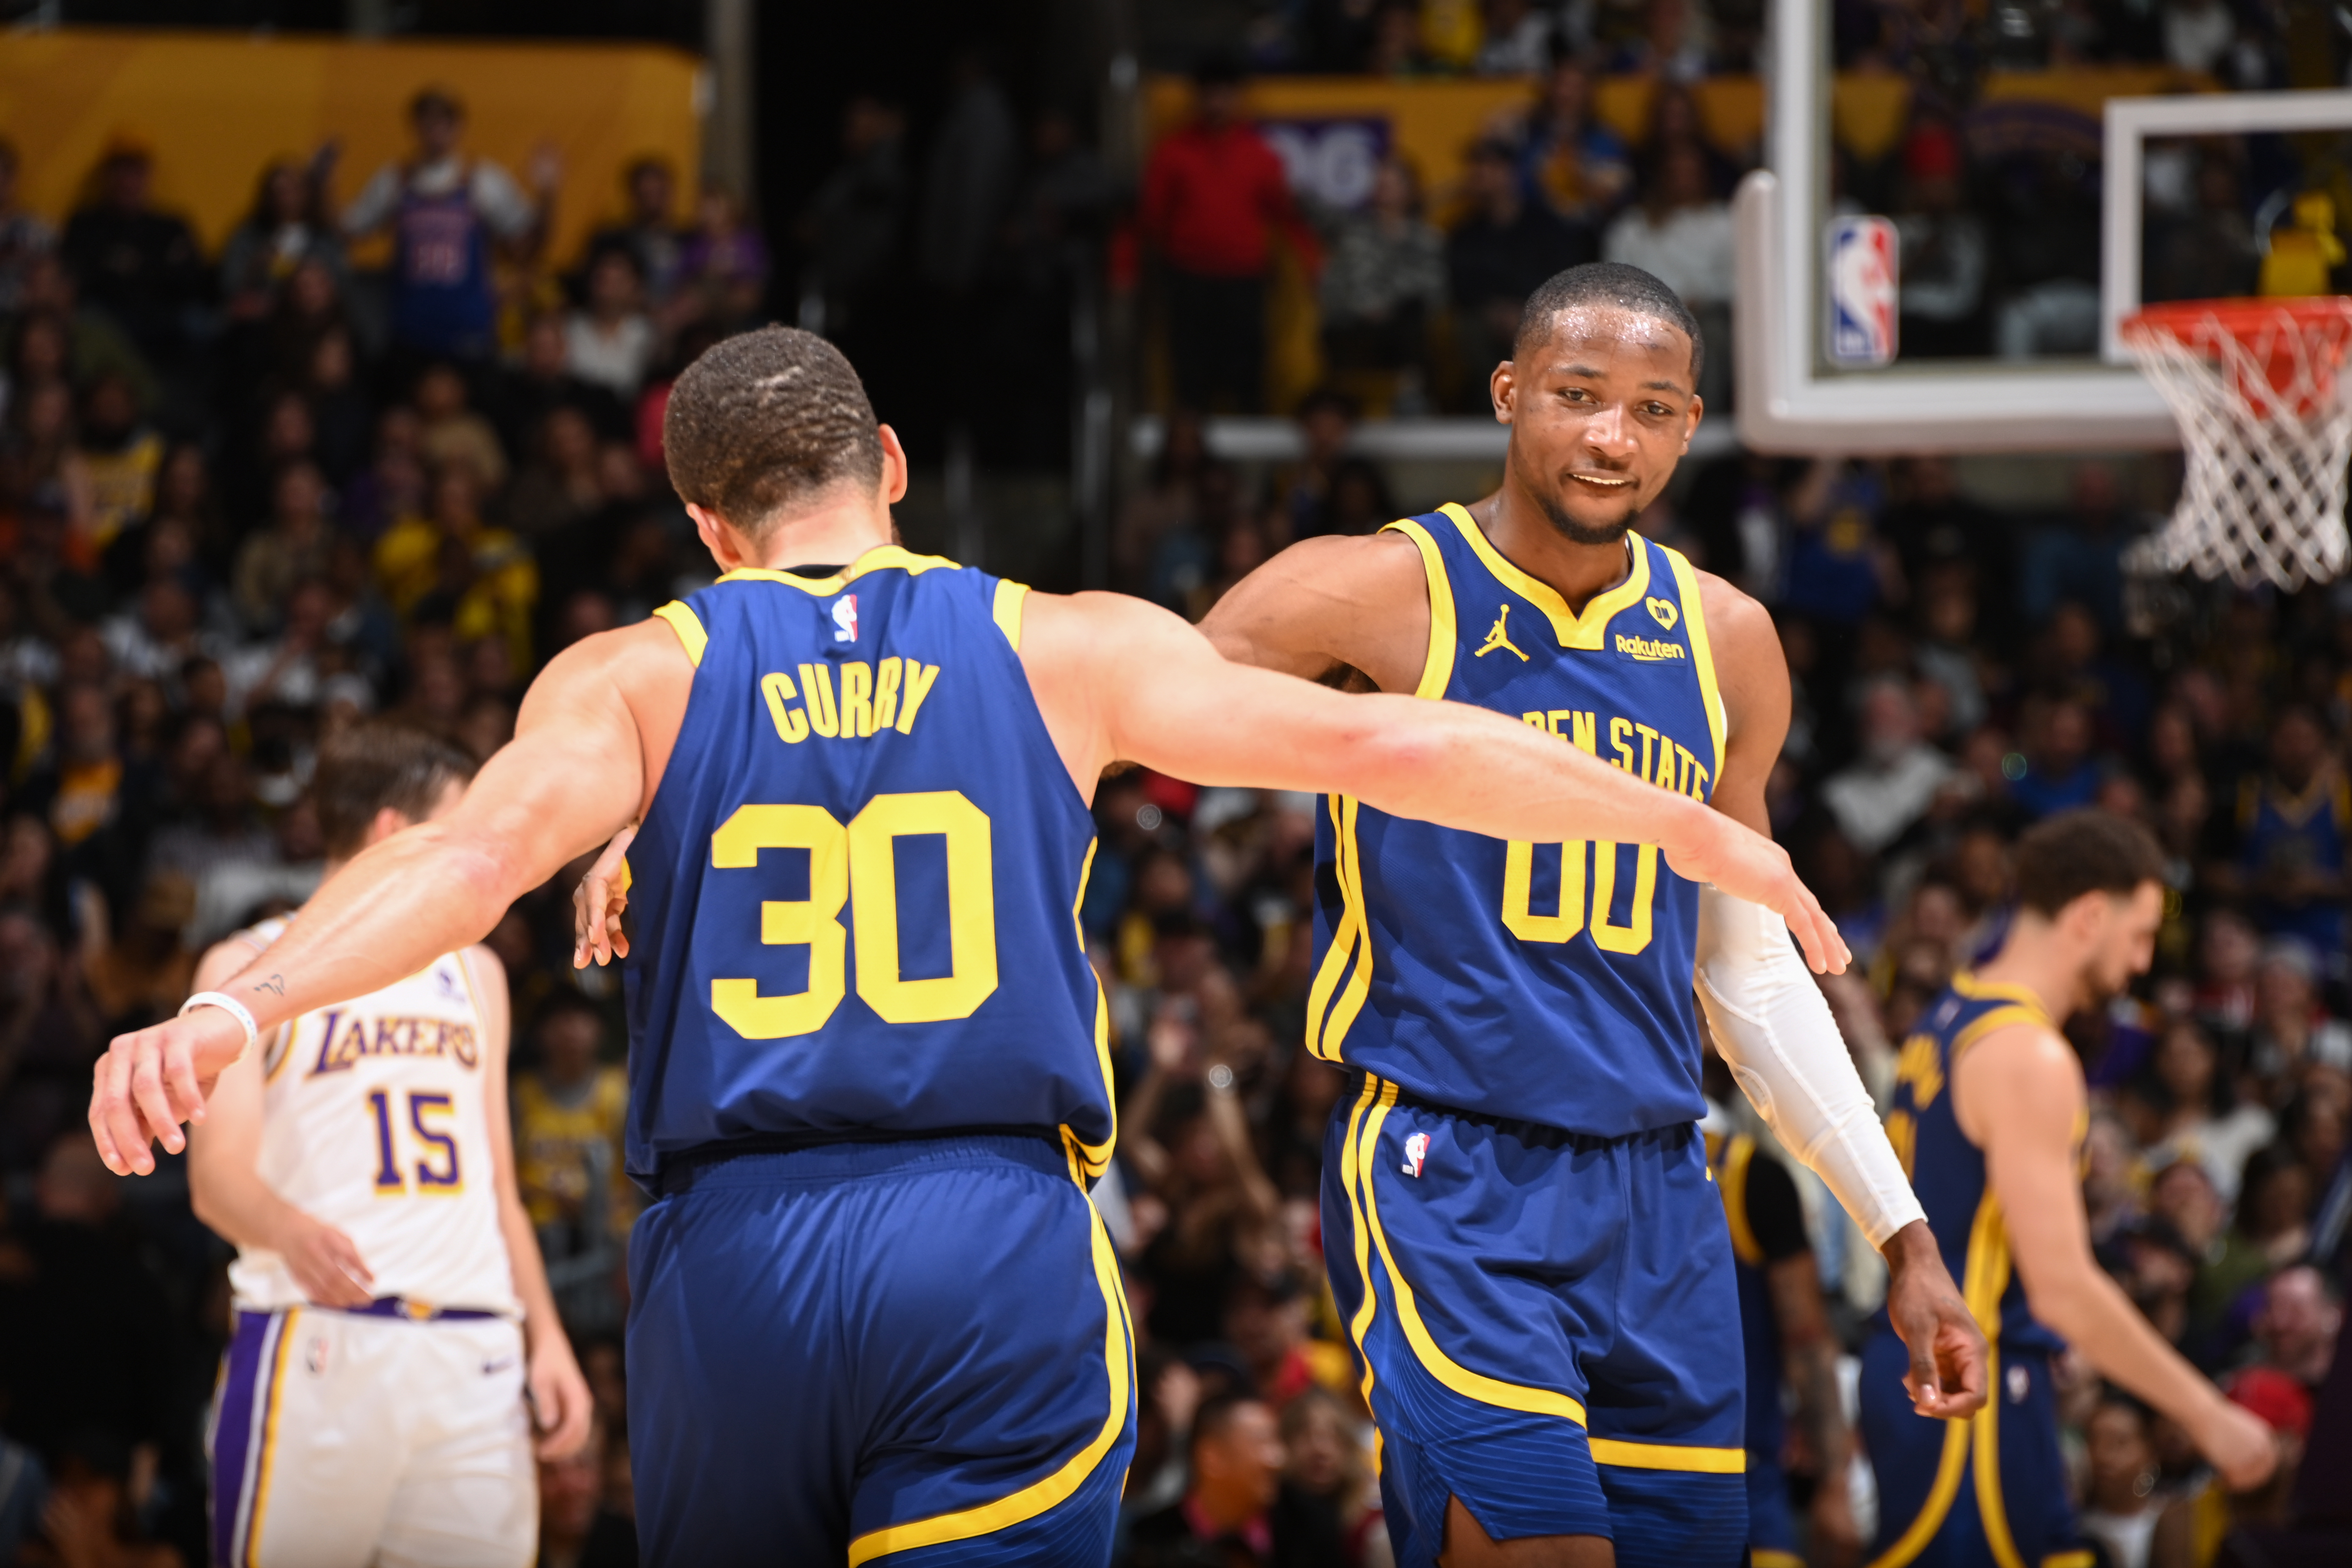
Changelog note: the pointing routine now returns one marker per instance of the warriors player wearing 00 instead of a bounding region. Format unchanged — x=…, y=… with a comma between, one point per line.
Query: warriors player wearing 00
x=392, y=1314
x=1543, y=1302
x=873, y=1313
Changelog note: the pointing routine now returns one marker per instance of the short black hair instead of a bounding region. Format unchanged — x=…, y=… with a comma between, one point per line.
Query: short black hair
x=379, y=764
x=1216, y=1413
x=2083, y=851
x=763, y=419
x=1607, y=283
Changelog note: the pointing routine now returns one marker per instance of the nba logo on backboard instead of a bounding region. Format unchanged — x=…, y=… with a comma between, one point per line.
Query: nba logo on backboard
x=1862, y=277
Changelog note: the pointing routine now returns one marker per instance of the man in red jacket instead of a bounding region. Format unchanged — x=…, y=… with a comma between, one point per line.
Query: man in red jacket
x=1211, y=193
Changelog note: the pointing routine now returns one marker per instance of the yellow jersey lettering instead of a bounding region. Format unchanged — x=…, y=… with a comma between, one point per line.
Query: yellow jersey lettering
x=1536, y=718
x=1698, y=779
x=817, y=692
x=919, y=678
x=1649, y=740
x=887, y=676
x=1621, y=730
x=1921, y=1066
x=791, y=726
x=856, y=698
x=1685, y=765
x=1582, y=725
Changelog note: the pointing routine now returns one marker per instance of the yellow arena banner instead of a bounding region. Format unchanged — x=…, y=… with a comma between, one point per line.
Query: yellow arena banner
x=215, y=108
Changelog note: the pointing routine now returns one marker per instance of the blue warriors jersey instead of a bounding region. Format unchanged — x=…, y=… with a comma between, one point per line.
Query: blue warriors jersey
x=856, y=892
x=1947, y=1171
x=2282, y=833
x=1548, y=983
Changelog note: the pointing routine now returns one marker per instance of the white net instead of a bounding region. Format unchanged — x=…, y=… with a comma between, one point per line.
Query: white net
x=2266, y=421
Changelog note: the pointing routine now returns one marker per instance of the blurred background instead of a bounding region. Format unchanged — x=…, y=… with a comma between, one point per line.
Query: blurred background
x=334, y=339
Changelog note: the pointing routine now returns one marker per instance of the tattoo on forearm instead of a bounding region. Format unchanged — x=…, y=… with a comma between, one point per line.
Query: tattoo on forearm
x=275, y=986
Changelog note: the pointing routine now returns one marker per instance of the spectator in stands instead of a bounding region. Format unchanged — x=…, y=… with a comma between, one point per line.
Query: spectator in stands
x=23, y=235
x=1680, y=233
x=2060, y=771
x=95, y=343
x=450, y=434
x=1897, y=777
x=568, y=1111
x=2299, y=1325
x=852, y=228
x=1237, y=1511
x=121, y=455
x=1503, y=247
x=609, y=342
x=446, y=210
x=136, y=262
x=723, y=265
x=2122, y=1501
x=650, y=232
x=1943, y=251
x=559, y=485
x=1519, y=38
x=1385, y=280
x=287, y=225
x=1215, y=196
x=2292, y=1028
x=294, y=547
x=2295, y=830
x=1568, y=158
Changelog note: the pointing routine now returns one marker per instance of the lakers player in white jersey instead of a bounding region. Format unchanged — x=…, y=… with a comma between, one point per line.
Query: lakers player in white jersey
x=394, y=1333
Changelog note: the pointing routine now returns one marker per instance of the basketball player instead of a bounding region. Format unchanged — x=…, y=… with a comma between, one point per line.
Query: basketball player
x=1516, y=1206
x=393, y=1315
x=1989, y=1115
x=873, y=1313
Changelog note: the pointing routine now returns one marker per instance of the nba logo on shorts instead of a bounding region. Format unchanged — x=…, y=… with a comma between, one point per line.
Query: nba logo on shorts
x=1416, y=1149
x=1861, y=273
x=844, y=618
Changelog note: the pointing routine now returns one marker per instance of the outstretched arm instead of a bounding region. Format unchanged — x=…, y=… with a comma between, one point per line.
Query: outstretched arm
x=1774, y=1028
x=575, y=772
x=2018, y=1094
x=1119, y=678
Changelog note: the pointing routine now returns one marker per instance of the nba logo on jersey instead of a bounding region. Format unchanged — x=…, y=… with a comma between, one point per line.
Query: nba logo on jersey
x=1416, y=1149
x=1861, y=273
x=844, y=618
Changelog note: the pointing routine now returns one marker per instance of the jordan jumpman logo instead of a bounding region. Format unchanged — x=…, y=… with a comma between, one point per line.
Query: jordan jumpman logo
x=1498, y=638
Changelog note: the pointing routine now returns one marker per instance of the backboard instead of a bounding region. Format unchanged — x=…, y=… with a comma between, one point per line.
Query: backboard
x=2045, y=371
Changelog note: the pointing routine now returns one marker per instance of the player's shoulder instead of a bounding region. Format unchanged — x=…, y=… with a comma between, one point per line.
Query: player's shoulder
x=1735, y=619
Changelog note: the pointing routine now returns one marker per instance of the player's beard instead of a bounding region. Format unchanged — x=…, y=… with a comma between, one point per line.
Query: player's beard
x=1577, y=533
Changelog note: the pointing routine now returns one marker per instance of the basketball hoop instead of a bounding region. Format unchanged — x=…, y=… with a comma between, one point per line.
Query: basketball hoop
x=2267, y=424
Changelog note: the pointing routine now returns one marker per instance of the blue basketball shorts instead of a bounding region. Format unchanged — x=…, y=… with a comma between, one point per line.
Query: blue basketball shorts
x=1771, y=1528
x=1988, y=1490
x=1548, y=1328
x=910, y=1352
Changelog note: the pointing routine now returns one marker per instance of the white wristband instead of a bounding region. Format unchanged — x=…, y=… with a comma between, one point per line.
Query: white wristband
x=232, y=1007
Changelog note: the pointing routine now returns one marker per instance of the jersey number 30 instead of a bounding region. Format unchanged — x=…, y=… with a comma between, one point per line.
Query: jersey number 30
x=858, y=865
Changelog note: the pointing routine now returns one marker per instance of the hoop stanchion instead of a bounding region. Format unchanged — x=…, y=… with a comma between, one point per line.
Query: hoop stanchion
x=2266, y=420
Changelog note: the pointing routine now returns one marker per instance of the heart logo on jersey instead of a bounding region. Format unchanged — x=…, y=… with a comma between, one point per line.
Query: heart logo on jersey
x=1666, y=612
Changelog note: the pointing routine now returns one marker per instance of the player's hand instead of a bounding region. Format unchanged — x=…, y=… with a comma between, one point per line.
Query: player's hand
x=561, y=1407
x=597, y=903
x=2240, y=1444
x=148, y=1082
x=1746, y=865
x=1948, y=1349
x=325, y=1262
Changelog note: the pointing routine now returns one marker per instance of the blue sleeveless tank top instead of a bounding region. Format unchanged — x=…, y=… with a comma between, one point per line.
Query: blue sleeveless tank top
x=1548, y=983
x=1947, y=1171
x=856, y=892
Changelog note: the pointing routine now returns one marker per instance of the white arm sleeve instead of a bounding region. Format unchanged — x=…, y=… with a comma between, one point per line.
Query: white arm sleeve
x=1774, y=1029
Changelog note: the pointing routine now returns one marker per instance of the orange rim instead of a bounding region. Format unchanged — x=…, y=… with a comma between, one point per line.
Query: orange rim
x=2240, y=317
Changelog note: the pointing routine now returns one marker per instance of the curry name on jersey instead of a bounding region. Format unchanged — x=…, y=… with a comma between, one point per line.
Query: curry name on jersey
x=375, y=1120
x=1550, y=982
x=856, y=889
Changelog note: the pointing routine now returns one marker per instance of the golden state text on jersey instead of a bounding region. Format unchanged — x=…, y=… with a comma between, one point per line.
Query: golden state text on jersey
x=1544, y=982
x=856, y=892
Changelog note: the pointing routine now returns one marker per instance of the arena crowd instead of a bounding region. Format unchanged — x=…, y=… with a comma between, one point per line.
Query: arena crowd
x=247, y=499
